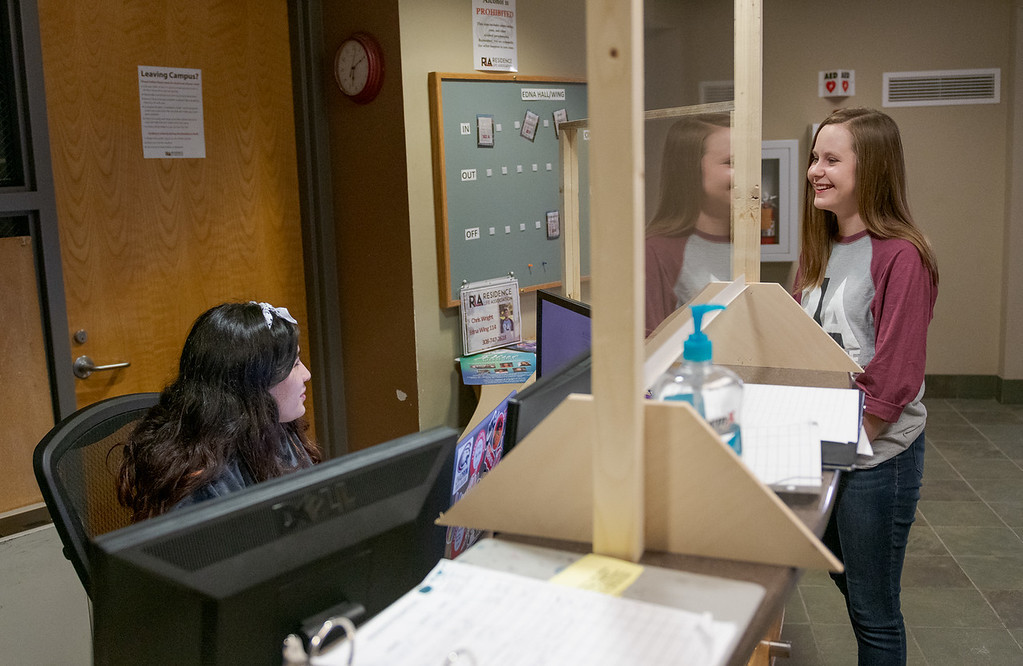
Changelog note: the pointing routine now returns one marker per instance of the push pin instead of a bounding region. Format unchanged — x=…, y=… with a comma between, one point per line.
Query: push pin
x=530, y=268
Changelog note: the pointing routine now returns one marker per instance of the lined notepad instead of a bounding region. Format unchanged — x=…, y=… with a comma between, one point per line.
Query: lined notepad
x=784, y=457
x=502, y=619
x=783, y=427
x=836, y=411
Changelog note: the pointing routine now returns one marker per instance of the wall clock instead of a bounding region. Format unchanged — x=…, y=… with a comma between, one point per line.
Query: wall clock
x=359, y=67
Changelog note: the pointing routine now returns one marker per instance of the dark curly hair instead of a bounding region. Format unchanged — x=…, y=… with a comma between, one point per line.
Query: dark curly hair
x=218, y=409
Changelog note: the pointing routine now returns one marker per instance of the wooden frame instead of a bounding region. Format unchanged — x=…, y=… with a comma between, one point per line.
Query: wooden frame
x=447, y=289
x=780, y=194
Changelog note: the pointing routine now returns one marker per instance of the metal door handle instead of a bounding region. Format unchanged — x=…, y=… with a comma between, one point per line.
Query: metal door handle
x=84, y=366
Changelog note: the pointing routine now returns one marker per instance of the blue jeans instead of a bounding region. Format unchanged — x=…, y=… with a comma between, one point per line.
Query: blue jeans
x=868, y=531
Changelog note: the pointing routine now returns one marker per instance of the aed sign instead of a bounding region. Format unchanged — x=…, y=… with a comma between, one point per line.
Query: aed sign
x=836, y=83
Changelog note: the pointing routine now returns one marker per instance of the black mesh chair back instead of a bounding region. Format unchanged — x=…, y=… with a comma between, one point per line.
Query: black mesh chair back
x=76, y=468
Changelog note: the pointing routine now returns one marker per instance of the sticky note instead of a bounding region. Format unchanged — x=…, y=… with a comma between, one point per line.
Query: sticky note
x=599, y=573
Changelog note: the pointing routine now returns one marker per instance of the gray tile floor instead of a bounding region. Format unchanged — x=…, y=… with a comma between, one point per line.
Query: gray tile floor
x=962, y=587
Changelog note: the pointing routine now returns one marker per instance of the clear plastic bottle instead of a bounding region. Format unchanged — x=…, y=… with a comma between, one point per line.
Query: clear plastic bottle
x=714, y=391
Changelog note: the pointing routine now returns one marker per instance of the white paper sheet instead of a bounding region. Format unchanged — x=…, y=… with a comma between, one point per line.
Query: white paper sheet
x=494, y=618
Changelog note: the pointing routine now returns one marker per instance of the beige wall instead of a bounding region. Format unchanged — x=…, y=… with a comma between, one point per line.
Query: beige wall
x=436, y=36
x=957, y=155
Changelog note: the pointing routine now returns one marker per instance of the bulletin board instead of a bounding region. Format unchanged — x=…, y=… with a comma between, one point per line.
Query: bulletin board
x=496, y=192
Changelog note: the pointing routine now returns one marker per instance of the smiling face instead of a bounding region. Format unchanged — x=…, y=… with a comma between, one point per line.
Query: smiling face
x=290, y=392
x=716, y=167
x=832, y=174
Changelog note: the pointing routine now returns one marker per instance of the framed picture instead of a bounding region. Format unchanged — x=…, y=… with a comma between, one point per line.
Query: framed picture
x=779, y=212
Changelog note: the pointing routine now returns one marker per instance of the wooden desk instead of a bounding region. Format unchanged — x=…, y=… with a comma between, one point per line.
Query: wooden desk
x=778, y=582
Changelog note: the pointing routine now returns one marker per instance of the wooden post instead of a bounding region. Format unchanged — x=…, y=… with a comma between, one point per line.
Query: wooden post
x=571, y=269
x=614, y=62
x=746, y=140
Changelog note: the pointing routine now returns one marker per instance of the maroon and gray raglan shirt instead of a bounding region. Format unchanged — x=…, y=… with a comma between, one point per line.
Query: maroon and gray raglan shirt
x=876, y=301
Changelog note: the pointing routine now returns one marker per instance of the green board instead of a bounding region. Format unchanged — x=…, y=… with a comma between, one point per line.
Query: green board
x=494, y=201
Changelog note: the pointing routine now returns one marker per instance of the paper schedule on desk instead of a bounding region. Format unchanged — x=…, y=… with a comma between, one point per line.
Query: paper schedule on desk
x=502, y=619
x=837, y=412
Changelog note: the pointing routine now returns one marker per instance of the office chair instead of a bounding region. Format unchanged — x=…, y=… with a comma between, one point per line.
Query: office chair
x=76, y=468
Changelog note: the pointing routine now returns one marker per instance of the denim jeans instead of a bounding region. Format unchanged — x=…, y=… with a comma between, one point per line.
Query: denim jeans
x=868, y=531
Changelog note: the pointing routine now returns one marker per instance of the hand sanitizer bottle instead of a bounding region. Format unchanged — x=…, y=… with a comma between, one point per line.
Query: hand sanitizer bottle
x=714, y=391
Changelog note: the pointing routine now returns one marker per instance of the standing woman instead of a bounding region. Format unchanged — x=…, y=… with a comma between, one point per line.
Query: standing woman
x=868, y=276
x=232, y=418
x=688, y=239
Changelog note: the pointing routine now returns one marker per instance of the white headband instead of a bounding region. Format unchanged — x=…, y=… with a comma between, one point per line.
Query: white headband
x=269, y=311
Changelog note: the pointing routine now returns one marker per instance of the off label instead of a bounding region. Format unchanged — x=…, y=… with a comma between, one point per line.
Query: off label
x=468, y=174
x=472, y=234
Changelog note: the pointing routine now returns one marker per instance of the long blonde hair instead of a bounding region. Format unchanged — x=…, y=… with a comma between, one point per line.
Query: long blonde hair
x=681, y=189
x=880, y=195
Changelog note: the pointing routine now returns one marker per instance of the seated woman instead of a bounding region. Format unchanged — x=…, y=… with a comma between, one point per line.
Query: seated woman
x=232, y=418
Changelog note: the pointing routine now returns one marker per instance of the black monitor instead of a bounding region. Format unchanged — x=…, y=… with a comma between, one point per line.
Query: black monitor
x=531, y=405
x=225, y=581
x=562, y=331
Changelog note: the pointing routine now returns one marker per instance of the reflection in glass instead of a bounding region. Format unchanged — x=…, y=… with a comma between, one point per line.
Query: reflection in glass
x=688, y=241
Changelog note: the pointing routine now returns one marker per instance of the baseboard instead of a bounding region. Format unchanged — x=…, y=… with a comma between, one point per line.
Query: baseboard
x=977, y=387
x=24, y=518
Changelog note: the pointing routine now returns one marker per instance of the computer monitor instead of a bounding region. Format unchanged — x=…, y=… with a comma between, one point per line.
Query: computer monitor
x=225, y=581
x=562, y=331
x=531, y=405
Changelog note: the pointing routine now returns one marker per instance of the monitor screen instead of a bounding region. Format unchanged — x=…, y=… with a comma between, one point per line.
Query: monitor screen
x=226, y=581
x=562, y=331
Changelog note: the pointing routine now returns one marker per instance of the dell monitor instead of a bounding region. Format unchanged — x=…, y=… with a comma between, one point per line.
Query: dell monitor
x=562, y=331
x=226, y=581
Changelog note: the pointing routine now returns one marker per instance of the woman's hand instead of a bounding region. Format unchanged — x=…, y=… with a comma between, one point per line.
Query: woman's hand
x=873, y=425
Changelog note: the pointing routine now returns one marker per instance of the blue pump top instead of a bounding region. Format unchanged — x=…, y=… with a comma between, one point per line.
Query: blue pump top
x=698, y=346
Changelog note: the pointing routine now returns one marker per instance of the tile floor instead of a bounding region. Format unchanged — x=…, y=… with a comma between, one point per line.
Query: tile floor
x=962, y=586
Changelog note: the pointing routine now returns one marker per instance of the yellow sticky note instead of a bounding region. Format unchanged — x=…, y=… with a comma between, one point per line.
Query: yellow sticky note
x=600, y=574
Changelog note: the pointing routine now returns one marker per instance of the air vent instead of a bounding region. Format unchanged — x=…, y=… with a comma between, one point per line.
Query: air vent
x=941, y=88
x=716, y=91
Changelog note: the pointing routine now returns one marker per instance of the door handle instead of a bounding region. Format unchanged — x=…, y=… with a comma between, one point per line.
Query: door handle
x=84, y=367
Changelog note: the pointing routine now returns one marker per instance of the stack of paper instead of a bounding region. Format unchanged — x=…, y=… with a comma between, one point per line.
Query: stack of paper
x=501, y=619
x=783, y=428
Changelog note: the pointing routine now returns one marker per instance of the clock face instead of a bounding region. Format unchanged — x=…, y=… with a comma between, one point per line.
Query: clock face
x=359, y=67
x=351, y=67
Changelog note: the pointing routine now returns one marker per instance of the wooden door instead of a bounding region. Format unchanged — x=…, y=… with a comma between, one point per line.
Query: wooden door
x=149, y=244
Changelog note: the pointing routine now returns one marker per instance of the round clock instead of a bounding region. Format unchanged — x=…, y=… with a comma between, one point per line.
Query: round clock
x=359, y=67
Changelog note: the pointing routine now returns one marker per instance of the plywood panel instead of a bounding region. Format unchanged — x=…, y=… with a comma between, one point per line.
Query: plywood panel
x=25, y=406
x=148, y=244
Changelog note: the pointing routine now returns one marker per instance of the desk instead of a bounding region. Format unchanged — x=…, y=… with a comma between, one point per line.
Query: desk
x=777, y=581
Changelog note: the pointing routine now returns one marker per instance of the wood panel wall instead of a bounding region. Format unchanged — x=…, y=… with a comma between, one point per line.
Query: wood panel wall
x=371, y=212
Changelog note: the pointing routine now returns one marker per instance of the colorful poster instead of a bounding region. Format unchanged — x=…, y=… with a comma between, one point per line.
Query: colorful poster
x=475, y=455
x=507, y=365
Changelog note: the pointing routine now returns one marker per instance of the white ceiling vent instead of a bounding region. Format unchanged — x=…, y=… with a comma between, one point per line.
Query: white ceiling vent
x=716, y=91
x=942, y=87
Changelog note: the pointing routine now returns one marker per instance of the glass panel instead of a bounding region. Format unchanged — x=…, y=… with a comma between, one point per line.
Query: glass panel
x=688, y=52
x=11, y=171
